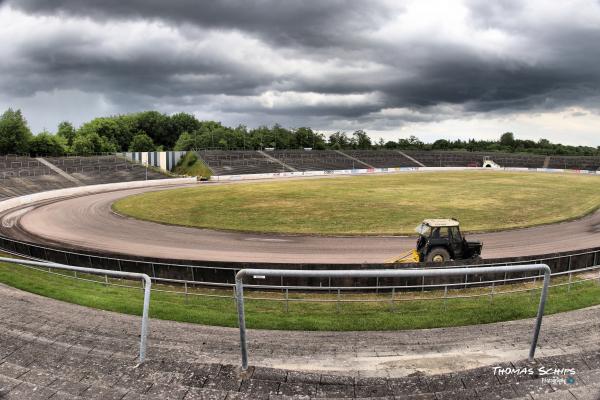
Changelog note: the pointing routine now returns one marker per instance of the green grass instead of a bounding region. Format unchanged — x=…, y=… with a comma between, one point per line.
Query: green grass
x=383, y=204
x=191, y=165
x=266, y=314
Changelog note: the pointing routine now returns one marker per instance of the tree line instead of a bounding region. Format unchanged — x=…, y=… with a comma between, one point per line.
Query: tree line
x=154, y=131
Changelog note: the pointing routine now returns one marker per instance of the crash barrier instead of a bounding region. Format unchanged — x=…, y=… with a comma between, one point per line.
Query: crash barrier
x=340, y=290
x=222, y=275
x=146, y=281
x=363, y=171
x=87, y=190
x=387, y=273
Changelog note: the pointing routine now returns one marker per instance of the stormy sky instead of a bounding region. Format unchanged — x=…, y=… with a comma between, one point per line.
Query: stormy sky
x=436, y=69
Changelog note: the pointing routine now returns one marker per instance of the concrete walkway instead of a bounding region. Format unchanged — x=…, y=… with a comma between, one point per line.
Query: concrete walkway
x=85, y=348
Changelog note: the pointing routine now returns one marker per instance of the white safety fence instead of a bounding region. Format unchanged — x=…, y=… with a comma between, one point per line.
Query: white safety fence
x=364, y=171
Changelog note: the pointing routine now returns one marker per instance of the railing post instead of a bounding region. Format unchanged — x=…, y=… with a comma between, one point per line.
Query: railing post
x=337, y=303
x=287, y=298
x=492, y=294
x=570, y=276
x=445, y=297
x=239, y=288
x=540, y=313
x=186, y=291
x=145, y=312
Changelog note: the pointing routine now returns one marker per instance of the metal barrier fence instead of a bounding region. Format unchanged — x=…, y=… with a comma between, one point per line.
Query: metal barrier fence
x=223, y=276
x=145, y=279
x=262, y=273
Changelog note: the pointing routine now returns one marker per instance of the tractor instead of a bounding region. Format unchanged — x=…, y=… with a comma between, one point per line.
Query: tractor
x=441, y=240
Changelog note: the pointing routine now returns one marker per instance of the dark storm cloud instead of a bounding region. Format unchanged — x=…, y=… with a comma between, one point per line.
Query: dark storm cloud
x=315, y=23
x=334, y=49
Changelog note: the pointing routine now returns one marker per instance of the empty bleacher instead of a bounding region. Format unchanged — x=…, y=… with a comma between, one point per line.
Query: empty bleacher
x=21, y=175
x=315, y=160
x=19, y=186
x=382, y=158
x=446, y=158
x=575, y=162
x=474, y=159
x=103, y=169
x=253, y=162
x=518, y=160
x=239, y=162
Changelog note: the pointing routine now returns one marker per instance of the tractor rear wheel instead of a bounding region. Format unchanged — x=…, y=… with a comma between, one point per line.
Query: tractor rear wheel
x=438, y=254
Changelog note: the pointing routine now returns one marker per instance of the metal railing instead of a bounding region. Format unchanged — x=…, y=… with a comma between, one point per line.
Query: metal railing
x=145, y=279
x=263, y=273
x=224, y=276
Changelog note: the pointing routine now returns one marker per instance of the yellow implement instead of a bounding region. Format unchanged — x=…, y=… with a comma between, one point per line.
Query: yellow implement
x=411, y=257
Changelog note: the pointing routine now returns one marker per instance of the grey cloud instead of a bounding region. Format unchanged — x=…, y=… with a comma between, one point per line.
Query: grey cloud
x=414, y=73
x=314, y=23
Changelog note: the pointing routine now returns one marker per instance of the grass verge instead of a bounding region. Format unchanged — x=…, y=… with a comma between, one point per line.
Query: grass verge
x=269, y=314
x=191, y=165
x=383, y=204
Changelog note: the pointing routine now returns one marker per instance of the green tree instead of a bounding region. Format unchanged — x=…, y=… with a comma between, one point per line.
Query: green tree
x=507, y=139
x=339, y=140
x=156, y=125
x=14, y=132
x=179, y=123
x=188, y=141
x=142, y=142
x=92, y=143
x=390, y=144
x=106, y=128
x=82, y=145
x=362, y=140
x=306, y=137
x=66, y=131
x=47, y=144
x=441, y=144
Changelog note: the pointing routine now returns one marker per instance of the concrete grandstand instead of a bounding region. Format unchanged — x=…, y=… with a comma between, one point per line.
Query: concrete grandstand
x=256, y=162
x=20, y=175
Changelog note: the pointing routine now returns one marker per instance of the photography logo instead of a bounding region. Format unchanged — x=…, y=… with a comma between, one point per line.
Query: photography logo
x=554, y=376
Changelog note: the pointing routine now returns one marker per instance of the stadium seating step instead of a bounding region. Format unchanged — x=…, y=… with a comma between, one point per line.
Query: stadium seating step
x=34, y=368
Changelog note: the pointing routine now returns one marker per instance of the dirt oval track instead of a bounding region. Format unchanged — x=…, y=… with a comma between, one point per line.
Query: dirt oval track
x=87, y=222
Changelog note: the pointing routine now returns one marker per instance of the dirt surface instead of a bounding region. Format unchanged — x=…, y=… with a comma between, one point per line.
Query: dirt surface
x=88, y=222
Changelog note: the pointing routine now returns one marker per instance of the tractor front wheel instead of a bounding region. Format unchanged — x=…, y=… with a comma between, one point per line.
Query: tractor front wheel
x=438, y=254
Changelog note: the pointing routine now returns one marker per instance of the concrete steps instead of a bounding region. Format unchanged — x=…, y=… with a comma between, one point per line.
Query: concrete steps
x=36, y=368
x=47, y=354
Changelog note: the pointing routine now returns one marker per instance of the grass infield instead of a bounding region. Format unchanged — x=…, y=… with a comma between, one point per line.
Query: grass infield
x=268, y=314
x=374, y=205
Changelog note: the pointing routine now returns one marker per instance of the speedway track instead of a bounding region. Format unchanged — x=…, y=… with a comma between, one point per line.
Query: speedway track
x=88, y=223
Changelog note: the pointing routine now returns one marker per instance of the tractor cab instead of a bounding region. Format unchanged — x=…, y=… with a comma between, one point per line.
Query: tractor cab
x=441, y=240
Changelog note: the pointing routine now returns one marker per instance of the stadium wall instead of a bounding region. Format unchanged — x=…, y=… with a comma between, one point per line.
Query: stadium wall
x=165, y=160
x=388, y=170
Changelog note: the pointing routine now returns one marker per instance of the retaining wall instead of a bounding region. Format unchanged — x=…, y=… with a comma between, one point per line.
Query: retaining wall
x=387, y=171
